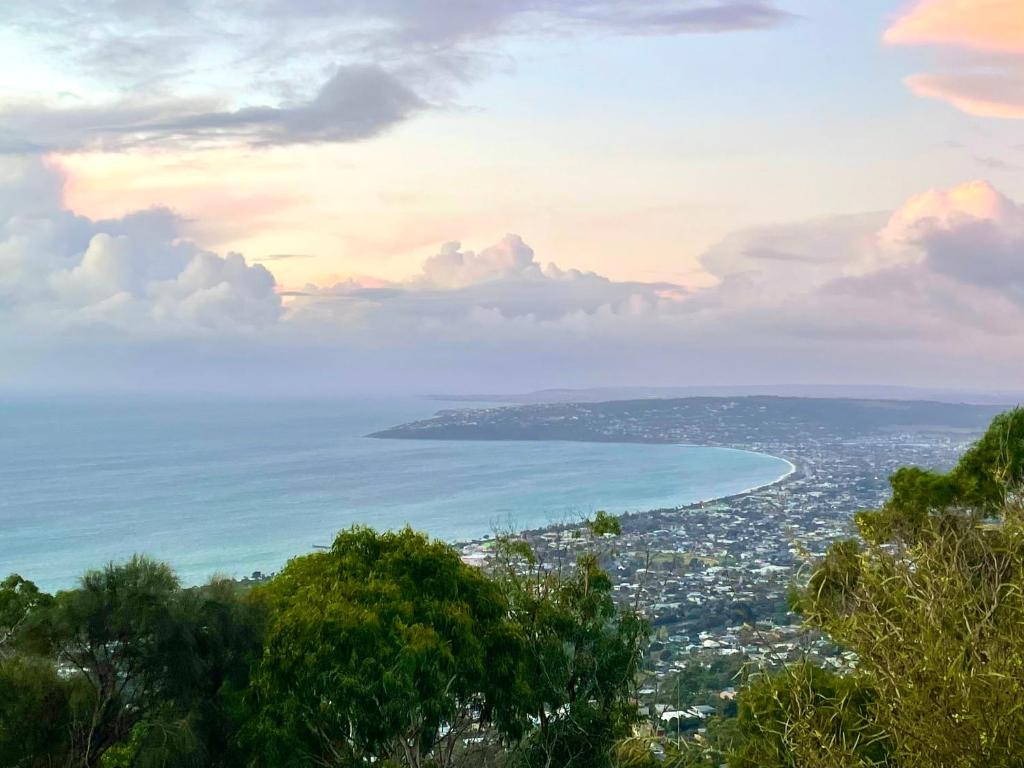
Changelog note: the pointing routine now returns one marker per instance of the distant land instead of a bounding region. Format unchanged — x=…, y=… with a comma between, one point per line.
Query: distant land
x=726, y=421
x=856, y=391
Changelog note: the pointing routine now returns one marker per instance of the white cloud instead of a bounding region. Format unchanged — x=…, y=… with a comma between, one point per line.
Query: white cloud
x=133, y=275
x=509, y=259
x=932, y=293
x=972, y=233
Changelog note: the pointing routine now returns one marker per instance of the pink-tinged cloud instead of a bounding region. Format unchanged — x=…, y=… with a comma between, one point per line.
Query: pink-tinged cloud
x=985, y=94
x=992, y=29
x=948, y=208
x=934, y=291
x=983, y=25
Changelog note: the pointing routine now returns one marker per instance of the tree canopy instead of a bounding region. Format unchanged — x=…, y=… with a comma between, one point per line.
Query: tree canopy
x=583, y=653
x=386, y=646
x=931, y=601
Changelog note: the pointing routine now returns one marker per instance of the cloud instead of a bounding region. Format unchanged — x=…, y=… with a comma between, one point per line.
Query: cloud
x=995, y=163
x=283, y=256
x=983, y=93
x=985, y=75
x=509, y=259
x=132, y=276
x=933, y=291
x=972, y=233
x=984, y=25
x=357, y=102
x=502, y=283
x=273, y=72
x=676, y=17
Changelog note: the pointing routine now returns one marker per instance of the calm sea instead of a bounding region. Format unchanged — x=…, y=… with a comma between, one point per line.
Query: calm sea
x=229, y=486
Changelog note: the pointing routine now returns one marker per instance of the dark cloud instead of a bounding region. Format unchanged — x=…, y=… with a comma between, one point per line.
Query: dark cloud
x=185, y=69
x=712, y=17
x=995, y=163
x=355, y=103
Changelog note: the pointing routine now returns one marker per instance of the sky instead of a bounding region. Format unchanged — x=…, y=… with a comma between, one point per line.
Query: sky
x=344, y=196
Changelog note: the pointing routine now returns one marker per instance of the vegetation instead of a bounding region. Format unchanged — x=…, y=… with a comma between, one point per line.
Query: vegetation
x=385, y=647
x=387, y=650
x=581, y=659
x=931, y=599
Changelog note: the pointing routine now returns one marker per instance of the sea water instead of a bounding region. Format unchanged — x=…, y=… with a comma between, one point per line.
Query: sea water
x=222, y=486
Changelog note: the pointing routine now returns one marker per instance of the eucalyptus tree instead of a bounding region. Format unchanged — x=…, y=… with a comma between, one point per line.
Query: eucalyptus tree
x=135, y=670
x=386, y=647
x=580, y=661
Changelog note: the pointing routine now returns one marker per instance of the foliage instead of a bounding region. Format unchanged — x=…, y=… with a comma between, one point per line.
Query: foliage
x=117, y=633
x=578, y=672
x=37, y=712
x=387, y=649
x=987, y=480
x=931, y=601
x=804, y=715
x=19, y=598
x=700, y=683
x=136, y=671
x=604, y=524
x=382, y=648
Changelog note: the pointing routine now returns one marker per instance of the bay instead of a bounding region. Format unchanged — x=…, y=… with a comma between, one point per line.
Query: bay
x=231, y=486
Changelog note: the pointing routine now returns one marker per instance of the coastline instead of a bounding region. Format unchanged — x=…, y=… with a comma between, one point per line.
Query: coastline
x=462, y=545
x=790, y=473
x=753, y=489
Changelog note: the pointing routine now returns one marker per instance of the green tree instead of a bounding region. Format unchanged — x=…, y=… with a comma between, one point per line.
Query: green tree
x=200, y=709
x=651, y=752
x=157, y=672
x=804, y=715
x=116, y=632
x=385, y=647
x=38, y=710
x=987, y=480
x=604, y=524
x=19, y=598
x=931, y=601
x=580, y=661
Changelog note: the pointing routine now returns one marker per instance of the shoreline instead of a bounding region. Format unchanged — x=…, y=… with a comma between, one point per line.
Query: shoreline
x=793, y=470
x=753, y=489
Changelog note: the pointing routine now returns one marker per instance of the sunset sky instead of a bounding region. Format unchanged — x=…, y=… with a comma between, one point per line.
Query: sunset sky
x=497, y=195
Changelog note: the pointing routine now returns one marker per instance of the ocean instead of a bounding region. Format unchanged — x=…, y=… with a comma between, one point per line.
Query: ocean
x=222, y=486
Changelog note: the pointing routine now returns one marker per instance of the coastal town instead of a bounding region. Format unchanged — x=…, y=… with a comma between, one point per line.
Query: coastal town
x=713, y=578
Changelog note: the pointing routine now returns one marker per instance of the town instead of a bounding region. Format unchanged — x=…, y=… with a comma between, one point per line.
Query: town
x=713, y=578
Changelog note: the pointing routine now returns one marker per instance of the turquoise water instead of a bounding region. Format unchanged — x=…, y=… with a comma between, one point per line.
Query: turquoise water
x=228, y=486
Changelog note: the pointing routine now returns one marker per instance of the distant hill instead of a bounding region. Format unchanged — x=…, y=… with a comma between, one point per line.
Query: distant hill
x=703, y=420
x=857, y=391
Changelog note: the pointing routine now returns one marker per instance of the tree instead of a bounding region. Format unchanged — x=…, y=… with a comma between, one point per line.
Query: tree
x=580, y=660
x=931, y=601
x=803, y=715
x=387, y=646
x=19, y=598
x=38, y=709
x=987, y=480
x=157, y=672
x=604, y=524
x=200, y=711
x=117, y=633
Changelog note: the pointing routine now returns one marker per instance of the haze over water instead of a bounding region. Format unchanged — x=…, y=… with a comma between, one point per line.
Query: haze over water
x=228, y=486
